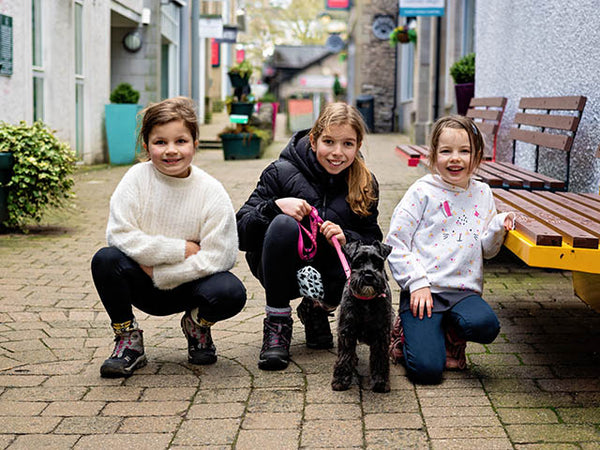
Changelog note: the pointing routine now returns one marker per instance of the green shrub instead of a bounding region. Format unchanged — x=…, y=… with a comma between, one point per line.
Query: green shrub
x=244, y=69
x=124, y=93
x=463, y=70
x=41, y=174
x=218, y=106
x=269, y=97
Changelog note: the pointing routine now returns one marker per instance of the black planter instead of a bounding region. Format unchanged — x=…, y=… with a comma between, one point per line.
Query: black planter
x=7, y=161
x=237, y=81
x=242, y=108
x=464, y=94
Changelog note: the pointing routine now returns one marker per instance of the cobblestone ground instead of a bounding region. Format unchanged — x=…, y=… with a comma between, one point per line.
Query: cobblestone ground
x=536, y=387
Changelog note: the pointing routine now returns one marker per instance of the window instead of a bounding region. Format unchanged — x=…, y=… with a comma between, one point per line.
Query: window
x=407, y=66
x=468, y=27
x=37, y=61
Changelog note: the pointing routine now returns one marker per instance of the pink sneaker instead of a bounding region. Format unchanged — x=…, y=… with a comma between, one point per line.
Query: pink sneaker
x=396, y=350
x=455, y=351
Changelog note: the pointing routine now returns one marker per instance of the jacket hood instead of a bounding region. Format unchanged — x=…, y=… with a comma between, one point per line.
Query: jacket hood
x=299, y=152
x=437, y=181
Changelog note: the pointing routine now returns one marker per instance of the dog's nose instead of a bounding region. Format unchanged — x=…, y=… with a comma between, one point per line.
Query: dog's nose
x=368, y=277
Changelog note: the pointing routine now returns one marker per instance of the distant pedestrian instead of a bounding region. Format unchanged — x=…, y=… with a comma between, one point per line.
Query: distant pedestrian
x=441, y=230
x=172, y=240
x=322, y=168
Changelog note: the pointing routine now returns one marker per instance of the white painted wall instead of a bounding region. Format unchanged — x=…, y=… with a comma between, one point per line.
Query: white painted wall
x=528, y=48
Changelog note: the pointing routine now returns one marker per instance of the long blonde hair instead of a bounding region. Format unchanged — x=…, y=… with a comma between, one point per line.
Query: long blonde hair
x=361, y=190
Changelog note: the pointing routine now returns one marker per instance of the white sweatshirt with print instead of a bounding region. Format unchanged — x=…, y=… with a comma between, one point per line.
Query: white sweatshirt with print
x=152, y=215
x=440, y=234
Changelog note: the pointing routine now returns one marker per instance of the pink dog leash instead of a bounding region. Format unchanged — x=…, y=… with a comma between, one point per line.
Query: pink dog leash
x=307, y=253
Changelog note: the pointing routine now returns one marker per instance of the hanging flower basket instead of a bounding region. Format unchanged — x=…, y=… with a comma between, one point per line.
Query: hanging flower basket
x=402, y=35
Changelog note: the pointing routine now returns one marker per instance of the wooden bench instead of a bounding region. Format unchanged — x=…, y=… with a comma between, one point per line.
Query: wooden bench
x=548, y=123
x=558, y=230
x=485, y=111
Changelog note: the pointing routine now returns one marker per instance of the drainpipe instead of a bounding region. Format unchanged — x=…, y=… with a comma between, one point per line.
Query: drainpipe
x=195, y=52
x=438, y=44
x=184, y=51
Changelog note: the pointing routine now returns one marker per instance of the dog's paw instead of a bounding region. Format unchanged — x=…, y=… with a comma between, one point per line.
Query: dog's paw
x=381, y=386
x=338, y=385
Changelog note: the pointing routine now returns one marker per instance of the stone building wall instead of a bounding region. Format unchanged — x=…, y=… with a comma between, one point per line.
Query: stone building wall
x=375, y=62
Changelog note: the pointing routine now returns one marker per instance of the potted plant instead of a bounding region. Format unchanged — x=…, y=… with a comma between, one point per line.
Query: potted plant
x=403, y=34
x=463, y=74
x=121, y=124
x=36, y=172
x=243, y=141
x=240, y=74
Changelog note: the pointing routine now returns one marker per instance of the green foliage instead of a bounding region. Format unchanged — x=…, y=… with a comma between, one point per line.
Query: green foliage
x=403, y=35
x=269, y=97
x=41, y=174
x=244, y=69
x=124, y=93
x=463, y=70
x=218, y=105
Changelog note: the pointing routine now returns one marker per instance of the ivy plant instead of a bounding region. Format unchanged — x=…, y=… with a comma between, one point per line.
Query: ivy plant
x=42, y=173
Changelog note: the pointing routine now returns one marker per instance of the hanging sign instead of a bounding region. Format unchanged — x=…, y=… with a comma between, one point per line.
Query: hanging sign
x=229, y=35
x=210, y=26
x=411, y=8
x=337, y=4
x=6, y=45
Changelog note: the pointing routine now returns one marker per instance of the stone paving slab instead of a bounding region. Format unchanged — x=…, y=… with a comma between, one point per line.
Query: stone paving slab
x=535, y=387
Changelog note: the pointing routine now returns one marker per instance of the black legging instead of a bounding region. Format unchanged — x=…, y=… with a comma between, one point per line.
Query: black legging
x=121, y=283
x=280, y=262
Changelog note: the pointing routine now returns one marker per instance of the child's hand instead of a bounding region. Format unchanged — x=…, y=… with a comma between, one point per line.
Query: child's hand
x=509, y=221
x=191, y=248
x=421, y=300
x=294, y=207
x=330, y=229
x=147, y=269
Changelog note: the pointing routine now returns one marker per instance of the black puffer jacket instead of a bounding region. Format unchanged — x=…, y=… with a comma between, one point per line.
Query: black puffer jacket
x=297, y=173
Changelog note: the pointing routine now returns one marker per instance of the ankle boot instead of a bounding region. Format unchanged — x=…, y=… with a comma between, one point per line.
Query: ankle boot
x=128, y=354
x=277, y=335
x=316, y=324
x=456, y=358
x=201, y=349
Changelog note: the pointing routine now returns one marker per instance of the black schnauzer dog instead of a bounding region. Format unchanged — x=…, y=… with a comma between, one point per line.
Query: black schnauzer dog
x=365, y=315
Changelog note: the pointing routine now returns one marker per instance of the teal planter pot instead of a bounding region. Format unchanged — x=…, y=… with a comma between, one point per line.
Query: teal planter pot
x=7, y=162
x=241, y=146
x=121, y=123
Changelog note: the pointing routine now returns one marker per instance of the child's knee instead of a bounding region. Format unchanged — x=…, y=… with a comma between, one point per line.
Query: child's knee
x=425, y=371
x=485, y=331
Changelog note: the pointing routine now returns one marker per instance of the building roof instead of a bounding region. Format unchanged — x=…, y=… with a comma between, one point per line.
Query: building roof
x=297, y=57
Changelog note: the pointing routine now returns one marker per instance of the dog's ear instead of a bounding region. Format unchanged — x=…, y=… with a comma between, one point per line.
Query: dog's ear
x=384, y=249
x=351, y=248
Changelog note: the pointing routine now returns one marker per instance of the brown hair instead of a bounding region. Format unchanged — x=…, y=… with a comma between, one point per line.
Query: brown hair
x=476, y=140
x=361, y=191
x=176, y=108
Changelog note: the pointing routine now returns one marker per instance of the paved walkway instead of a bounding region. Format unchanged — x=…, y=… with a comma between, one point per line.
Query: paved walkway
x=536, y=387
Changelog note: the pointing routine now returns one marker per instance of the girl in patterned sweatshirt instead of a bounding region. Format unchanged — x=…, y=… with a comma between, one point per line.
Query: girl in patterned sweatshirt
x=172, y=239
x=441, y=230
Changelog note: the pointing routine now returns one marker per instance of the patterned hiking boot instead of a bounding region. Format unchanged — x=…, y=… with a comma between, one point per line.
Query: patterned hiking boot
x=277, y=335
x=456, y=358
x=396, y=349
x=201, y=350
x=127, y=356
x=316, y=324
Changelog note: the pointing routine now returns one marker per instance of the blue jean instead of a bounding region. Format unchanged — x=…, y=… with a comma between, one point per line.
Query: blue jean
x=424, y=344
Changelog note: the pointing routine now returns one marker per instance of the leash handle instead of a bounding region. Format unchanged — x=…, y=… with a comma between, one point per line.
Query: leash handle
x=316, y=219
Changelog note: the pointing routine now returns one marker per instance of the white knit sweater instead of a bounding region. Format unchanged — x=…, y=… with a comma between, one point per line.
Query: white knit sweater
x=440, y=234
x=152, y=215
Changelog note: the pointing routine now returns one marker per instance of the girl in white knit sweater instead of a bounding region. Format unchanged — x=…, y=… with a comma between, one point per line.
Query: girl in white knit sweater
x=441, y=230
x=172, y=240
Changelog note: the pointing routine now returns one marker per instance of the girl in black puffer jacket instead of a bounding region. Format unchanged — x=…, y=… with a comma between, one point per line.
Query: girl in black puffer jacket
x=322, y=168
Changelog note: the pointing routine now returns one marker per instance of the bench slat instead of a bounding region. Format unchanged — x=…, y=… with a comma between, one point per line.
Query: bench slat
x=572, y=235
x=557, y=141
x=507, y=178
x=488, y=178
x=511, y=172
x=551, y=183
x=567, y=123
x=495, y=102
x=593, y=201
x=579, y=220
x=581, y=208
x=533, y=230
x=486, y=114
x=562, y=103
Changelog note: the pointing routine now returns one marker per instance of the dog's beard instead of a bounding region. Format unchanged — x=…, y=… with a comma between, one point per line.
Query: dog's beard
x=357, y=287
